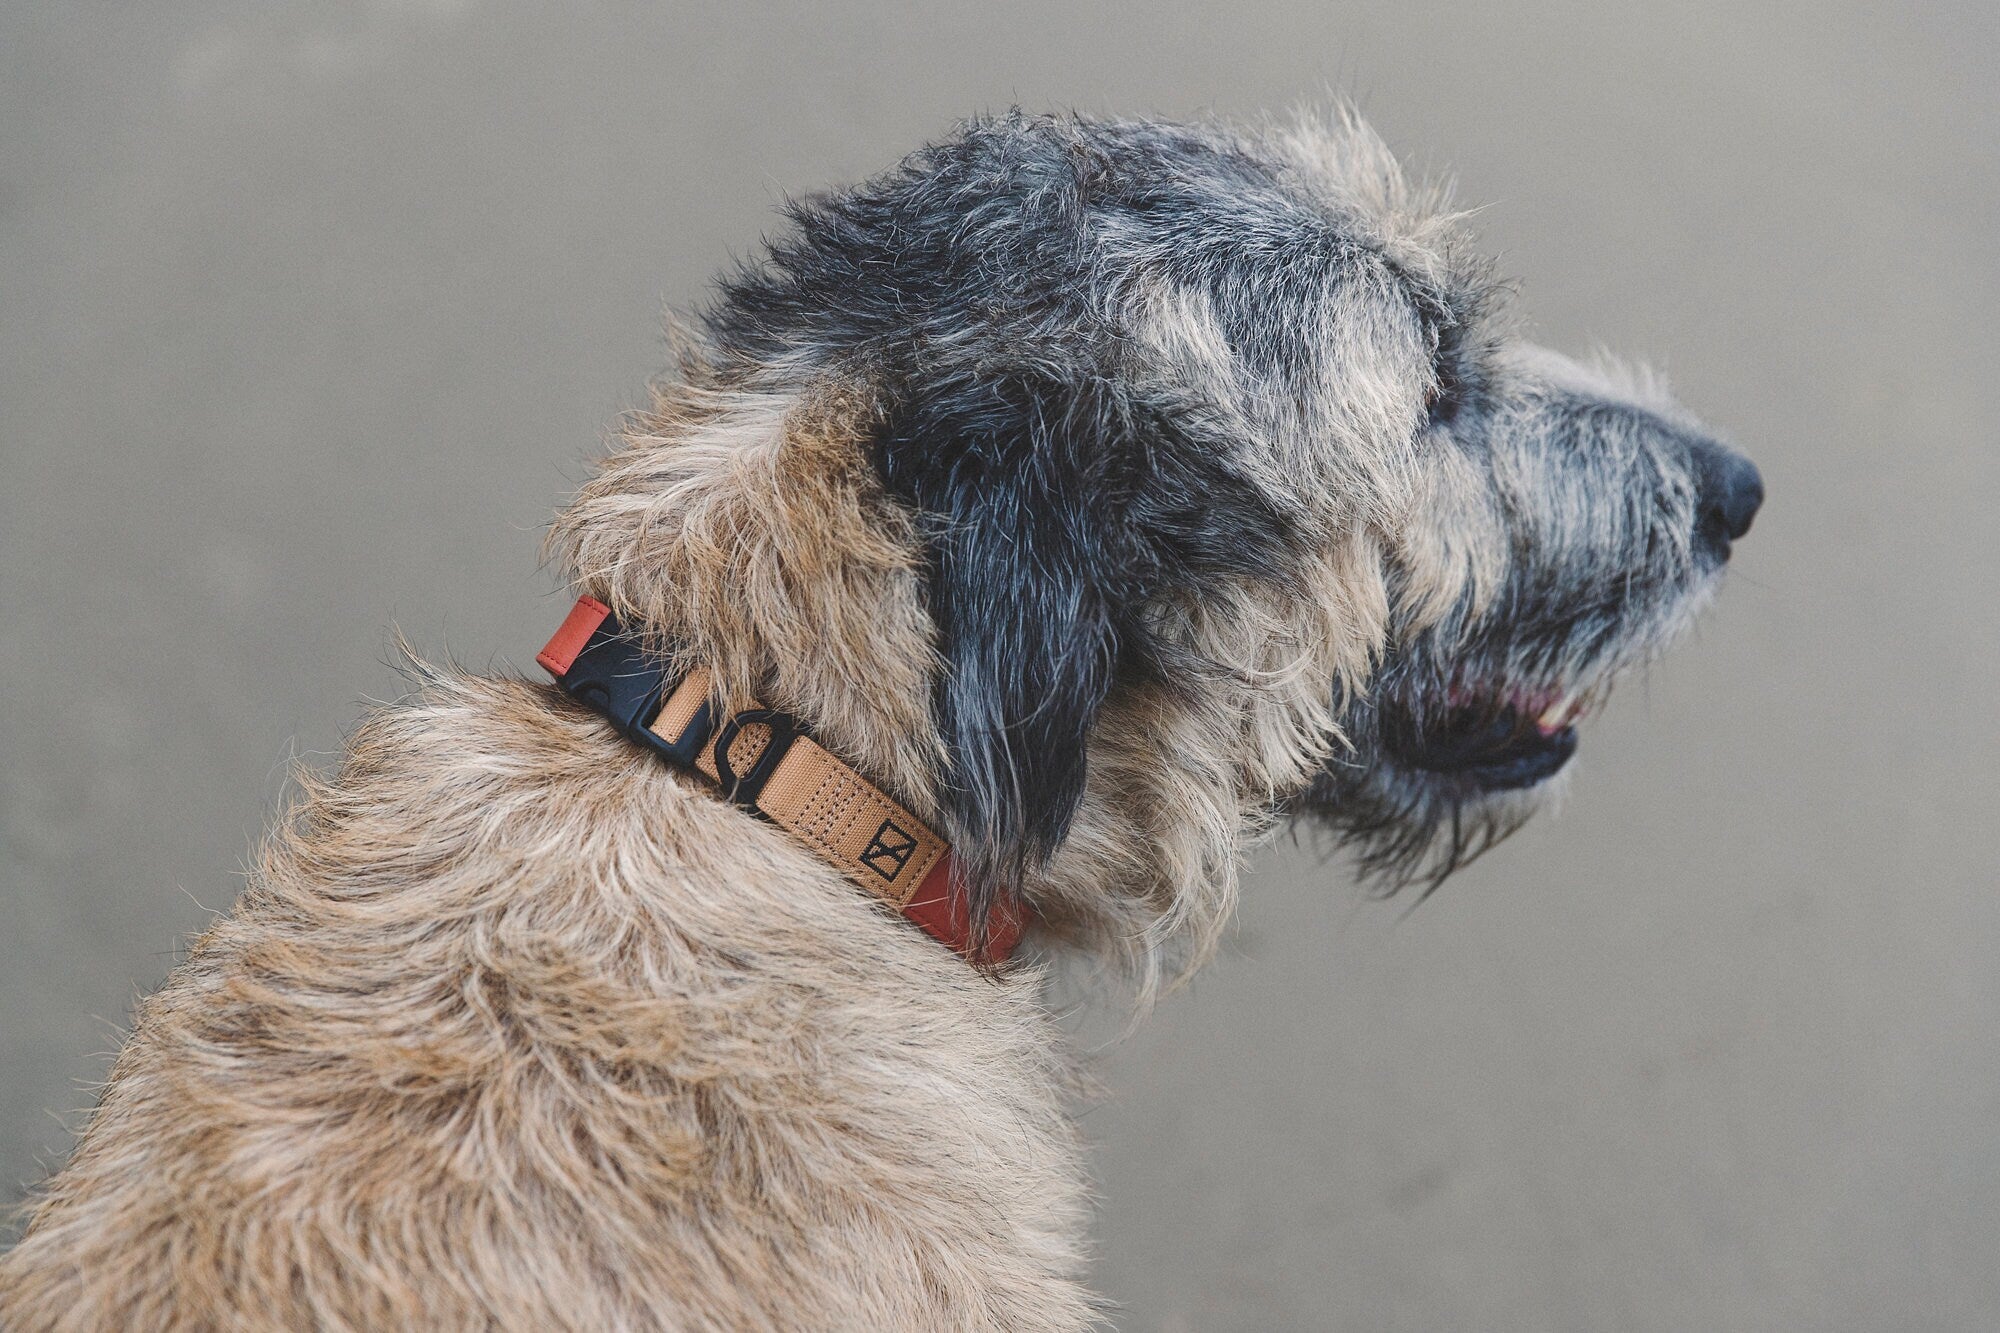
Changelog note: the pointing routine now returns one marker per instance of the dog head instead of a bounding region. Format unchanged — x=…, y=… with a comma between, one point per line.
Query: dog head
x=1108, y=489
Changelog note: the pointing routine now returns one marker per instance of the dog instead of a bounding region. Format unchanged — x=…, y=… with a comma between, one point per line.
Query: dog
x=1098, y=496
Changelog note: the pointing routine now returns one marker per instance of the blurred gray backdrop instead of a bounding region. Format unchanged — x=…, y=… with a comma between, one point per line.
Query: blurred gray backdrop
x=308, y=314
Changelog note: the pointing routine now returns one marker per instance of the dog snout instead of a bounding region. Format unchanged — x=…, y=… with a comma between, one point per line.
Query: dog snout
x=1730, y=490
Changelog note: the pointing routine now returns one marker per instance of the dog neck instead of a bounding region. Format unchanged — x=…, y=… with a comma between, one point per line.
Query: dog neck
x=743, y=530
x=761, y=759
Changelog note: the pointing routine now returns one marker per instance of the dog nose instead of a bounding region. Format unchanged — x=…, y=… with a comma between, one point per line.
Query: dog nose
x=1729, y=491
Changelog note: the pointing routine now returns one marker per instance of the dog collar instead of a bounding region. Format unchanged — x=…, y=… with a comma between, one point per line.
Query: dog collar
x=764, y=761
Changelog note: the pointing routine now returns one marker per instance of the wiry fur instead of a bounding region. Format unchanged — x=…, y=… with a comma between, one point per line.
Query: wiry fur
x=1103, y=490
x=1600, y=491
x=515, y=1028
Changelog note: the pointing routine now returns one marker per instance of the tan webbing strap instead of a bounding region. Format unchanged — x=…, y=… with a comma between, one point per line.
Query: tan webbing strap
x=800, y=786
x=819, y=800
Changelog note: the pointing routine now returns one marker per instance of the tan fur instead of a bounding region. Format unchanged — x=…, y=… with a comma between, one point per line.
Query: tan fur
x=516, y=1028
x=741, y=527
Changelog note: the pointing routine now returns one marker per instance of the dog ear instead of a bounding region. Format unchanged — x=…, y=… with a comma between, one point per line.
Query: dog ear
x=1054, y=512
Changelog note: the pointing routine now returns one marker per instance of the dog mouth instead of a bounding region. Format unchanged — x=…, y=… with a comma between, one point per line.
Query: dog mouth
x=1484, y=739
x=1449, y=764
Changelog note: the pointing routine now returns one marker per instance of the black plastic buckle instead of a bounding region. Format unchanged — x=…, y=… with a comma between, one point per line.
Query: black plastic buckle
x=613, y=677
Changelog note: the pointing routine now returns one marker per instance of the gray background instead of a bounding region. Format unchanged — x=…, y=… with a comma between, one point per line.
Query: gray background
x=307, y=315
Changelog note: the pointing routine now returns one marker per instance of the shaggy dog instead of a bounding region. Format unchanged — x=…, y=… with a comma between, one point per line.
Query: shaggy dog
x=1105, y=492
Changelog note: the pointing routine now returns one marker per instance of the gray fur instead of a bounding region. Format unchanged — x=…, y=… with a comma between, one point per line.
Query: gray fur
x=1121, y=364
